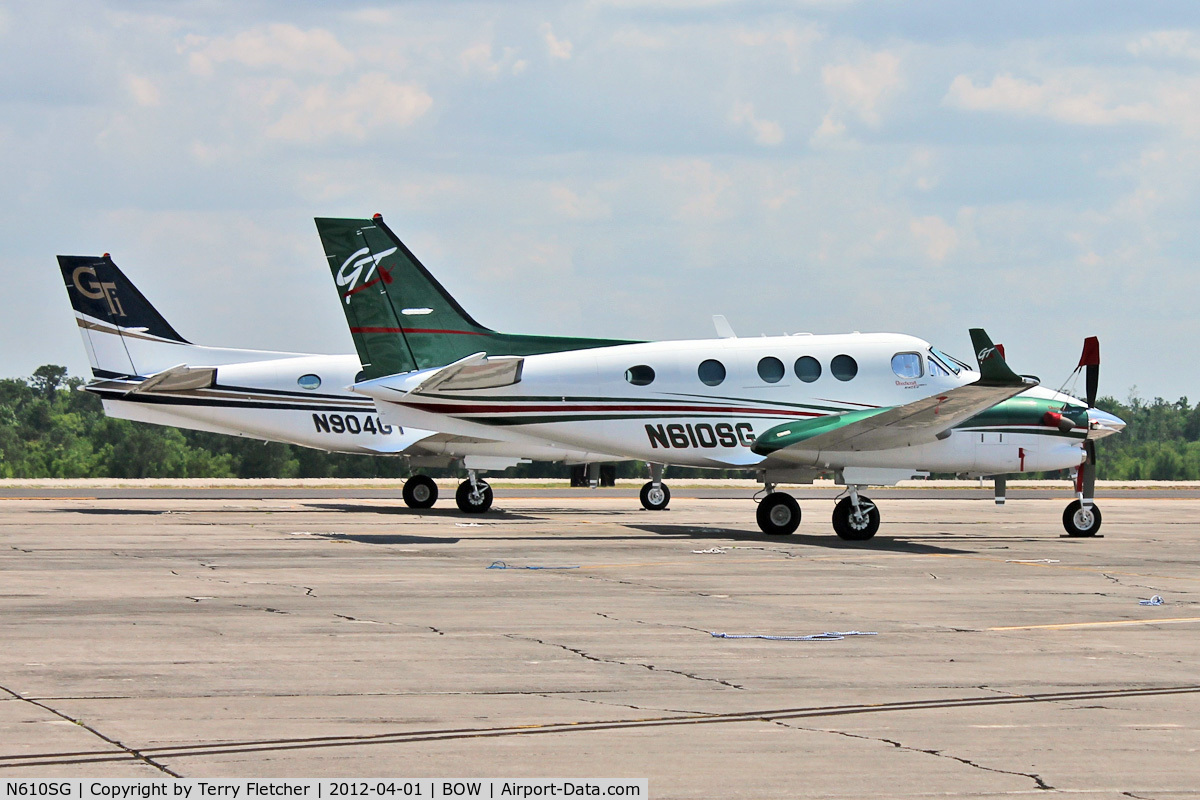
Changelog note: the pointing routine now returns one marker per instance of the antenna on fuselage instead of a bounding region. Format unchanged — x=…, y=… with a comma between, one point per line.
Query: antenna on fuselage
x=724, y=329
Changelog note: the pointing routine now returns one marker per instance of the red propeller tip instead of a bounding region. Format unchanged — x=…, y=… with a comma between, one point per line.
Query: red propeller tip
x=1091, y=352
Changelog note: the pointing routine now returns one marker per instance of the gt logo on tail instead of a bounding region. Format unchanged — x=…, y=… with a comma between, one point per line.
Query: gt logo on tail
x=96, y=289
x=352, y=269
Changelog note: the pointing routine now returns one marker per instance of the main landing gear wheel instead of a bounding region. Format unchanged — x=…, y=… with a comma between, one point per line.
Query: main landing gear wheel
x=655, y=498
x=855, y=526
x=473, y=498
x=778, y=514
x=420, y=492
x=1081, y=520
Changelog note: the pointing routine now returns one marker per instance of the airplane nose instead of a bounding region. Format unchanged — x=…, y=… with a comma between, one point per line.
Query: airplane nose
x=1101, y=424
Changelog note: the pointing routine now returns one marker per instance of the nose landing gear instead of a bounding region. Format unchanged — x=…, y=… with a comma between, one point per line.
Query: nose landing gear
x=655, y=495
x=1080, y=519
x=474, y=495
x=855, y=518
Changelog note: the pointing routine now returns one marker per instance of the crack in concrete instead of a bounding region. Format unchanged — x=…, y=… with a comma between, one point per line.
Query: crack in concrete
x=268, y=609
x=435, y=630
x=599, y=660
x=651, y=624
x=115, y=743
x=624, y=705
x=669, y=589
x=1037, y=779
x=19, y=549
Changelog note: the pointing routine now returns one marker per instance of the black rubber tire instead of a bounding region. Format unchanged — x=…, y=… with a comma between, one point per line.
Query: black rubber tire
x=846, y=529
x=655, y=501
x=1076, y=521
x=420, y=492
x=463, y=498
x=778, y=514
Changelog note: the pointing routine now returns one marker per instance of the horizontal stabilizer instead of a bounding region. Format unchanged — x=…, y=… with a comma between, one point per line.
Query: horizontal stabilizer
x=179, y=378
x=476, y=371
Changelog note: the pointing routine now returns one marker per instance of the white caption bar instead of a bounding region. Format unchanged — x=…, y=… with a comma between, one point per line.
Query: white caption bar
x=387, y=788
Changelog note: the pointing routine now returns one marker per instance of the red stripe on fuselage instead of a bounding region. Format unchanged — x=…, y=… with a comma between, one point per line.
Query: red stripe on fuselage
x=377, y=329
x=464, y=408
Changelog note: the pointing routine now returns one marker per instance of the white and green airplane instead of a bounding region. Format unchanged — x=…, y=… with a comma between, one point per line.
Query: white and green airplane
x=144, y=370
x=870, y=409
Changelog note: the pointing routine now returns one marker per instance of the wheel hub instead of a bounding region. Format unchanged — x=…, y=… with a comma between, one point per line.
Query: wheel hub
x=781, y=515
x=421, y=493
x=655, y=496
x=1084, y=518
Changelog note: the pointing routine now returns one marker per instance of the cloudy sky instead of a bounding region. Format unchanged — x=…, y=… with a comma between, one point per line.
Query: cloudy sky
x=620, y=168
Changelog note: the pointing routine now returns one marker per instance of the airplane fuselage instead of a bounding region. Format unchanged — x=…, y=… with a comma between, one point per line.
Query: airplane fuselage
x=703, y=403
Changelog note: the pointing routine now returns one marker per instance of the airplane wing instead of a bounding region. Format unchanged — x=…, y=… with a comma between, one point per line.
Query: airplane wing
x=919, y=422
x=178, y=378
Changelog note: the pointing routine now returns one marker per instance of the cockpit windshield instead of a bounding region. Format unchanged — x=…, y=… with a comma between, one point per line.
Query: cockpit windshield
x=949, y=362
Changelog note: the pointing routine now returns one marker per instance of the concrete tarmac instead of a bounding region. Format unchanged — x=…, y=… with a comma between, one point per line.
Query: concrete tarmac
x=347, y=637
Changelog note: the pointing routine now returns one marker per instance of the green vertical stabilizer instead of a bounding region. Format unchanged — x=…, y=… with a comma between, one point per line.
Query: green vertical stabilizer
x=401, y=318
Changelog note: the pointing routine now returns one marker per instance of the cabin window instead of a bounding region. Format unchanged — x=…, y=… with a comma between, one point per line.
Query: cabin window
x=808, y=369
x=843, y=367
x=711, y=372
x=907, y=365
x=770, y=369
x=640, y=375
x=309, y=381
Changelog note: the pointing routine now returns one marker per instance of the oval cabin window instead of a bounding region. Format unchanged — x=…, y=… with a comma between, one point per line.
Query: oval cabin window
x=808, y=369
x=711, y=372
x=309, y=381
x=770, y=369
x=640, y=375
x=843, y=367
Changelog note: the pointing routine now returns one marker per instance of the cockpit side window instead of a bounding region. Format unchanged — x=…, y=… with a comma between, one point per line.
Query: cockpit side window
x=949, y=362
x=936, y=370
x=907, y=365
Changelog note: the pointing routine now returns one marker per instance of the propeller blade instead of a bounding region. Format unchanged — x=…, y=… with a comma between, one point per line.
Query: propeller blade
x=1091, y=361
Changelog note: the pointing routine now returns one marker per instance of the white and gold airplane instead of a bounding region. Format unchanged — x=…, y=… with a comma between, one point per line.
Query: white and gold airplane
x=870, y=409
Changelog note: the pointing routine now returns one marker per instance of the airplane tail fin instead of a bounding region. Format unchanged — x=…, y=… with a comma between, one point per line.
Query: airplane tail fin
x=401, y=318
x=114, y=318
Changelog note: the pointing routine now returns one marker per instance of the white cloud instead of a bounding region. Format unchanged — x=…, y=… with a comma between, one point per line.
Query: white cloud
x=1166, y=44
x=766, y=132
x=638, y=39
x=936, y=236
x=701, y=187
x=478, y=58
x=1056, y=98
x=798, y=42
x=280, y=46
x=586, y=207
x=373, y=102
x=558, y=48
x=144, y=90
x=829, y=132
x=862, y=87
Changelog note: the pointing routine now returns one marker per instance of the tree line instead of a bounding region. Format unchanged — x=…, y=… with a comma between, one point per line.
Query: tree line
x=50, y=429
